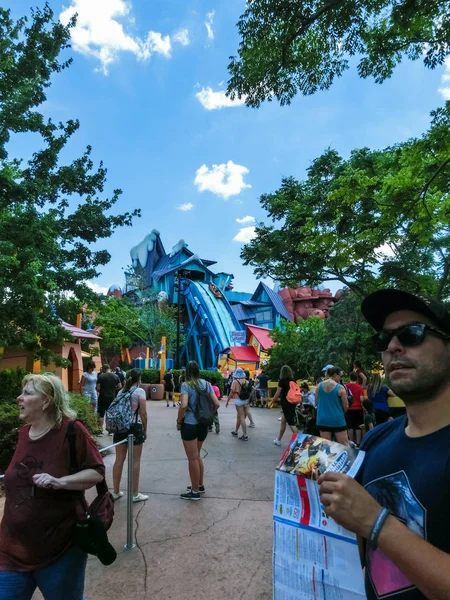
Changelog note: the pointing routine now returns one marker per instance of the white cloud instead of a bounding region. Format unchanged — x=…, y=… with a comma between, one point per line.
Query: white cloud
x=182, y=37
x=212, y=100
x=385, y=250
x=98, y=289
x=100, y=32
x=185, y=207
x=245, y=235
x=224, y=180
x=209, y=23
x=444, y=90
x=247, y=219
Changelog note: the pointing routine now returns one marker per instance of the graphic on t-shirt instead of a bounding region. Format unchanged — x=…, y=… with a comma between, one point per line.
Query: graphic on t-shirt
x=28, y=467
x=394, y=492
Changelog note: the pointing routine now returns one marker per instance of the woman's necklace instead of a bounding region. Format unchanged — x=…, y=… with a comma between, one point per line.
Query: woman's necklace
x=35, y=436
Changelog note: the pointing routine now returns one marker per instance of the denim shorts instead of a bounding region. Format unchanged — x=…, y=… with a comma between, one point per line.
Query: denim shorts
x=239, y=402
x=63, y=578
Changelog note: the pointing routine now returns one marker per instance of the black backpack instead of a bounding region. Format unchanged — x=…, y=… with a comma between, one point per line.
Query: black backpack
x=246, y=390
x=205, y=410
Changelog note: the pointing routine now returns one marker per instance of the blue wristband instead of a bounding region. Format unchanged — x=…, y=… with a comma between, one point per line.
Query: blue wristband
x=377, y=527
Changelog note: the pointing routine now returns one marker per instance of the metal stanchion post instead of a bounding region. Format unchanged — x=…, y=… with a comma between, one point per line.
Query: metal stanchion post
x=130, y=543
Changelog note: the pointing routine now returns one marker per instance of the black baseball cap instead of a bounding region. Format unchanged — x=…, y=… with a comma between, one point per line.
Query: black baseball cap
x=379, y=305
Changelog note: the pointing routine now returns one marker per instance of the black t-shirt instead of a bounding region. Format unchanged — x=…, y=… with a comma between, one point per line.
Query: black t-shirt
x=411, y=478
x=108, y=383
x=263, y=381
x=168, y=380
x=284, y=385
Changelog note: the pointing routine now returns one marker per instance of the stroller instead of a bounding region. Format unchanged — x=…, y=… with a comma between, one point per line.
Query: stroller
x=305, y=419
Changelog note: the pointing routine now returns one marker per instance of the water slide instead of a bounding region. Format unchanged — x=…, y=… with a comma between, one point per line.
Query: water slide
x=214, y=314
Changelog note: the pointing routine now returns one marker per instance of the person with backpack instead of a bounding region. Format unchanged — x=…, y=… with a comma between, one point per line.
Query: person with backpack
x=288, y=408
x=332, y=404
x=240, y=393
x=198, y=406
x=129, y=408
x=42, y=494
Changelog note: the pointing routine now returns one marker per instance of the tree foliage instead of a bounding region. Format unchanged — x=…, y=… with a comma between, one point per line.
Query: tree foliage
x=348, y=335
x=345, y=336
x=119, y=324
x=50, y=213
x=301, y=46
x=380, y=217
x=303, y=347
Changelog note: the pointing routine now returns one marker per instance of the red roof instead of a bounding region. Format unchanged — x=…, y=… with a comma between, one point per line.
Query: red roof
x=261, y=334
x=244, y=353
x=79, y=333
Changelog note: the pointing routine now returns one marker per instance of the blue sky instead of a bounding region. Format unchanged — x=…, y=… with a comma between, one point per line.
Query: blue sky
x=146, y=85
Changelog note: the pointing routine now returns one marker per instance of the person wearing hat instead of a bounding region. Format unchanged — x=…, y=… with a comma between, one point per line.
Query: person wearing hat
x=238, y=391
x=399, y=505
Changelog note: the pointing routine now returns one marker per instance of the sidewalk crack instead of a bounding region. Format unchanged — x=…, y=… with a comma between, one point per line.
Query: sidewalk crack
x=136, y=520
x=179, y=537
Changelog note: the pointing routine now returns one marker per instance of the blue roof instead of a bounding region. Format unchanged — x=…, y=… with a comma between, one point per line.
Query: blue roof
x=275, y=299
x=254, y=303
x=233, y=296
x=160, y=272
x=242, y=313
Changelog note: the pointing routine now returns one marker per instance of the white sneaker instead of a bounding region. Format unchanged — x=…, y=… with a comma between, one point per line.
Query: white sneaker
x=117, y=496
x=140, y=498
x=277, y=442
x=279, y=418
x=252, y=425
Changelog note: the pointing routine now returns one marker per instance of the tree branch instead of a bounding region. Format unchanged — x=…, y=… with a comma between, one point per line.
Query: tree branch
x=305, y=24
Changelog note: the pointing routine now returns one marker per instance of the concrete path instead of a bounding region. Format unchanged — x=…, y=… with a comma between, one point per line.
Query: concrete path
x=219, y=548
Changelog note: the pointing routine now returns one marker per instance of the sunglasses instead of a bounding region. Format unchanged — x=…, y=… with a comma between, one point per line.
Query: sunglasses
x=412, y=334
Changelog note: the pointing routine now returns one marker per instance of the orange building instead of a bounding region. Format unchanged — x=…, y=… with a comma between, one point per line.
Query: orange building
x=71, y=350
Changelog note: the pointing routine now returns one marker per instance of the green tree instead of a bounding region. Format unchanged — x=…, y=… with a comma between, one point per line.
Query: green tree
x=159, y=319
x=381, y=217
x=303, y=347
x=50, y=213
x=301, y=46
x=348, y=335
x=120, y=324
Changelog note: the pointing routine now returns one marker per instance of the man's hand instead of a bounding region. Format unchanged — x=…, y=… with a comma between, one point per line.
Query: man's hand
x=44, y=480
x=348, y=503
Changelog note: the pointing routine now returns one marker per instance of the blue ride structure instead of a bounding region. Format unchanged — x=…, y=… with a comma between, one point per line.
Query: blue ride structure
x=186, y=280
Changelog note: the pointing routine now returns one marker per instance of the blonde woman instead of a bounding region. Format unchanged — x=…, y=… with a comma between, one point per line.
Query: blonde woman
x=41, y=497
x=378, y=394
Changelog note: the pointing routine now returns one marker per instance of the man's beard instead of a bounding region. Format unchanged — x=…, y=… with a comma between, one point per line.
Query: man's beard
x=425, y=386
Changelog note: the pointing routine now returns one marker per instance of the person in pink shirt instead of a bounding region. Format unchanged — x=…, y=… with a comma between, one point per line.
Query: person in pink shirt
x=216, y=390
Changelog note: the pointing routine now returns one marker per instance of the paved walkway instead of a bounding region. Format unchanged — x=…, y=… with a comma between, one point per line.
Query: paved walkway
x=218, y=548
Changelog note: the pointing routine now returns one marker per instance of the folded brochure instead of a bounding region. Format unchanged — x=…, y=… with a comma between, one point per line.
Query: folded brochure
x=313, y=557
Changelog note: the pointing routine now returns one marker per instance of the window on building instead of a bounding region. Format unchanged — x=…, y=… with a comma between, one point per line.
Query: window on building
x=263, y=316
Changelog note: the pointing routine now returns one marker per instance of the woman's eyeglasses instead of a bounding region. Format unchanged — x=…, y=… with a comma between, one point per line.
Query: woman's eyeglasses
x=412, y=334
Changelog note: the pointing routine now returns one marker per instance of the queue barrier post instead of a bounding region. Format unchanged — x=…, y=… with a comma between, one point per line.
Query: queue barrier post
x=130, y=544
x=129, y=440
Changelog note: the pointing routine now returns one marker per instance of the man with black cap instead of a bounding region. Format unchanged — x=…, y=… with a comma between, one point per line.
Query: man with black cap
x=400, y=507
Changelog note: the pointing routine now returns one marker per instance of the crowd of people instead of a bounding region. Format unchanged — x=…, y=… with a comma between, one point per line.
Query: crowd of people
x=397, y=504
